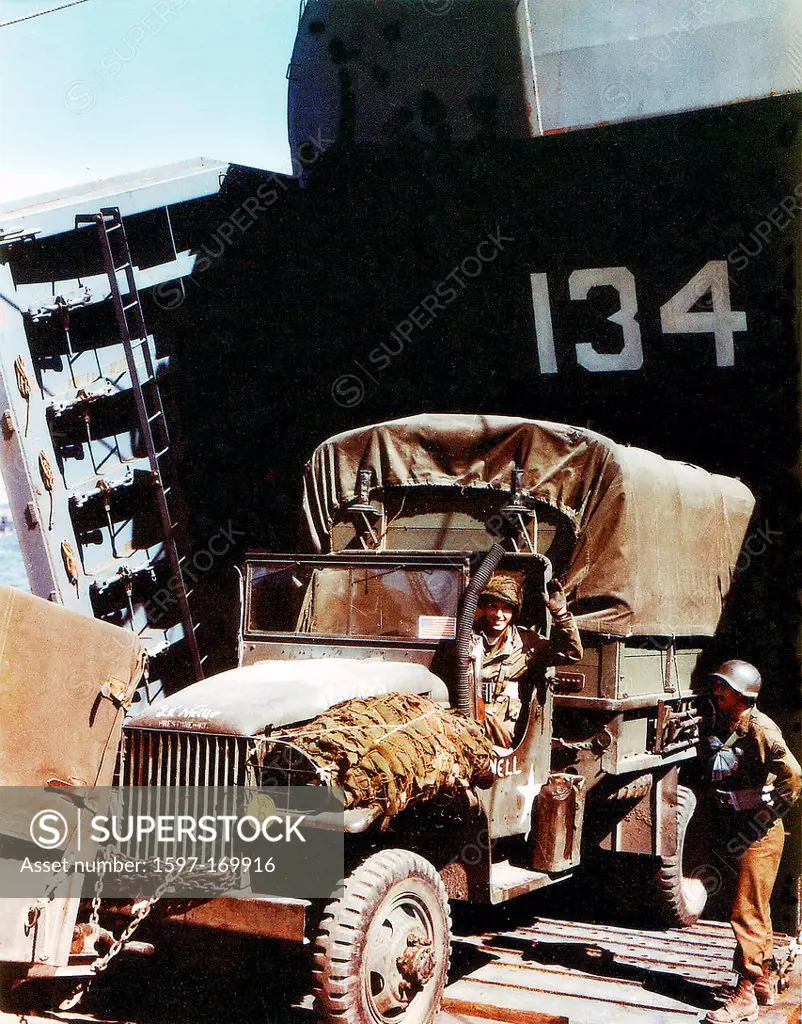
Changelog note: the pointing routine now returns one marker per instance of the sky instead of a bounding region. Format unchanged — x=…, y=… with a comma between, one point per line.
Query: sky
x=105, y=87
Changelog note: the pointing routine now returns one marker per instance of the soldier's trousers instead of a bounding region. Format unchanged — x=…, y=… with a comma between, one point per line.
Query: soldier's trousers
x=750, y=916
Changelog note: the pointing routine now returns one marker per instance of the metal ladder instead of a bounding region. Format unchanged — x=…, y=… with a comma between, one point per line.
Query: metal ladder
x=150, y=411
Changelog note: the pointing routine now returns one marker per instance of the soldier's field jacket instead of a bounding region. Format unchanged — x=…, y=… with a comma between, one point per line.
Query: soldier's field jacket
x=521, y=649
x=760, y=758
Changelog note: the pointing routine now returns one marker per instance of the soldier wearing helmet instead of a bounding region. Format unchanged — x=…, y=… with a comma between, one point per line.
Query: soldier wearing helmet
x=755, y=779
x=504, y=652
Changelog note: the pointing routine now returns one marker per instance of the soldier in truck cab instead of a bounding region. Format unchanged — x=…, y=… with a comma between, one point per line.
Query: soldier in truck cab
x=754, y=779
x=504, y=653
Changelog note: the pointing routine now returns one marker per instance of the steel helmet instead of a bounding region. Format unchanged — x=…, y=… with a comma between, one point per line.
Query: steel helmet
x=741, y=676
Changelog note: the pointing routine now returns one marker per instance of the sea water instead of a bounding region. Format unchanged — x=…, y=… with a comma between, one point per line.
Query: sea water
x=12, y=568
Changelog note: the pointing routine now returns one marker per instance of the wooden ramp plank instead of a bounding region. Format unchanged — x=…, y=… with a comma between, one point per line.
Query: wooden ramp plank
x=554, y=931
x=704, y=974
x=788, y=1009
x=458, y=1010
x=719, y=960
x=621, y=991
x=711, y=929
x=659, y=977
x=573, y=1008
x=454, y=1015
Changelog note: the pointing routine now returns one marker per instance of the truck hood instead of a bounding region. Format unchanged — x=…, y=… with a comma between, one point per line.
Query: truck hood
x=271, y=694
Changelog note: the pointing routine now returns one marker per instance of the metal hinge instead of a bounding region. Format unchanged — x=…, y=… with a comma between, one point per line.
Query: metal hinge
x=61, y=304
x=31, y=516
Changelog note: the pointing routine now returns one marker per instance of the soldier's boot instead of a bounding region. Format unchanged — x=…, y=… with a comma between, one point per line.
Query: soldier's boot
x=740, y=1008
x=724, y=992
x=765, y=986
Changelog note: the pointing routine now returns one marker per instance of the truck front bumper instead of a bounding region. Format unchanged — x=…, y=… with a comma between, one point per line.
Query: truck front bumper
x=264, y=917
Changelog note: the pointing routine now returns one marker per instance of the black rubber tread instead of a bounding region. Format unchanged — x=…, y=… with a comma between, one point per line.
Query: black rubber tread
x=668, y=879
x=338, y=946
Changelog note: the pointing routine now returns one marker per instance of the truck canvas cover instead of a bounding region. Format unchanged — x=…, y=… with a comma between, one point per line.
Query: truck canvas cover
x=656, y=541
x=64, y=681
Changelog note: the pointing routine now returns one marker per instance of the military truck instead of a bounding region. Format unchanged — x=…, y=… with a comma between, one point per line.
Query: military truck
x=404, y=522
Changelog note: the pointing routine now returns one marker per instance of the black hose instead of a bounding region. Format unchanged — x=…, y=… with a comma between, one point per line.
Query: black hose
x=464, y=692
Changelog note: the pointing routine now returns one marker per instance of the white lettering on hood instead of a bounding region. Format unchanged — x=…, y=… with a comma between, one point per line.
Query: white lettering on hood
x=183, y=712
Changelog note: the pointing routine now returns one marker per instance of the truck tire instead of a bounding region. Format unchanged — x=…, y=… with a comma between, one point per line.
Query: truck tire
x=680, y=896
x=382, y=950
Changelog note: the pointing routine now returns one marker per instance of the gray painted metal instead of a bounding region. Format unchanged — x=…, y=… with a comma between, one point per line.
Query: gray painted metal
x=53, y=213
x=41, y=528
x=594, y=63
x=73, y=381
x=150, y=412
x=468, y=69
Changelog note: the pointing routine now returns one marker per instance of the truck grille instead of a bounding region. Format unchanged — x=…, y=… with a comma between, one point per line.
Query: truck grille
x=218, y=769
x=223, y=773
x=161, y=758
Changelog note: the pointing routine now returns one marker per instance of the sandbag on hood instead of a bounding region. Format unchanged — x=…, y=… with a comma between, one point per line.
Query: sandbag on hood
x=269, y=694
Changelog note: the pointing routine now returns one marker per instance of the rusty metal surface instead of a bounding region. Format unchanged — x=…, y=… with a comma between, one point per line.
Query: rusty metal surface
x=274, y=918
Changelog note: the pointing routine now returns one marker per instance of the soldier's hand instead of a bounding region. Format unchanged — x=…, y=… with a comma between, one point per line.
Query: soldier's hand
x=556, y=601
x=499, y=731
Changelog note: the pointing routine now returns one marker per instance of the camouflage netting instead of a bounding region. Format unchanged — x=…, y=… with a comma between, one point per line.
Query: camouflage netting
x=394, y=750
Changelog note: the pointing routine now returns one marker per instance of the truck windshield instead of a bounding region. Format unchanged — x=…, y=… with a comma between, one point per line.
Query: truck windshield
x=358, y=601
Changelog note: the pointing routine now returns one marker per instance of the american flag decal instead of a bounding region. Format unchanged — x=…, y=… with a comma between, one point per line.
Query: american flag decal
x=437, y=627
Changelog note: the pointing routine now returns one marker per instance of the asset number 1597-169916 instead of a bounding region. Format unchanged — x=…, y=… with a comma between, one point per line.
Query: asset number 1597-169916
x=677, y=316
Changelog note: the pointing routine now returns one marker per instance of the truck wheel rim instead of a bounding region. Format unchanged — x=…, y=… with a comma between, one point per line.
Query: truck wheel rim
x=400, y=962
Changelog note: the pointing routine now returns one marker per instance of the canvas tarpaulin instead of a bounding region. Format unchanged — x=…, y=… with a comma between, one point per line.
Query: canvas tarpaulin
x=656, y=541
x=63, y=679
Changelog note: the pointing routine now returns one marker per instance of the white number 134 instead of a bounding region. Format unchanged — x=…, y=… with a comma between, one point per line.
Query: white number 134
x=676, y=316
